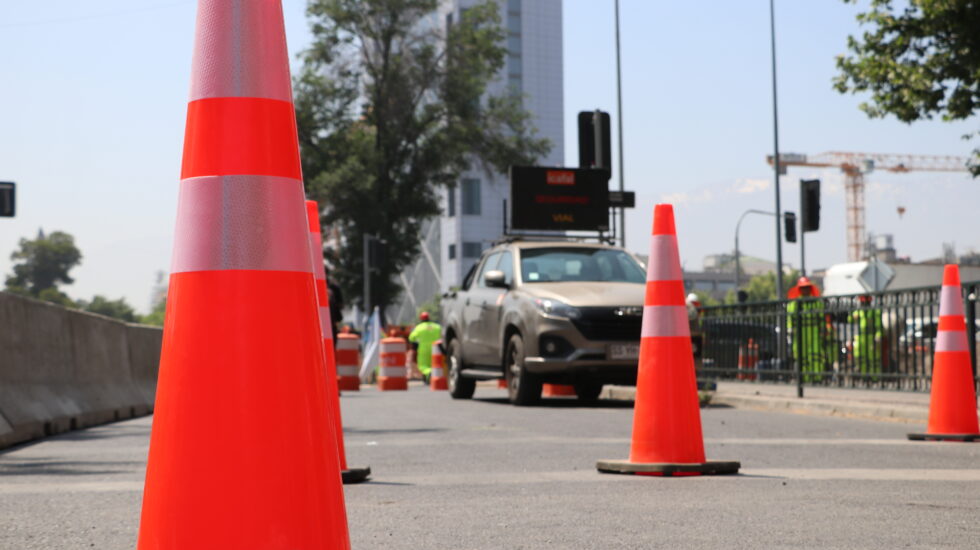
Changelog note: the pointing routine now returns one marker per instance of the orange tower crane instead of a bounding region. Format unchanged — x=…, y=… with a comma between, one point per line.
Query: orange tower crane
x=855, y=166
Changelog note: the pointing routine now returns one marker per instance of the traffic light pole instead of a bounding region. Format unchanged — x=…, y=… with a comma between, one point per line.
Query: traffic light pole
x=619, y=115
x=802, y=252
x=367, y=276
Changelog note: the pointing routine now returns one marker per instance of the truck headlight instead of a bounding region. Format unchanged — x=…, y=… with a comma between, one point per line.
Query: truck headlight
x=557, y=309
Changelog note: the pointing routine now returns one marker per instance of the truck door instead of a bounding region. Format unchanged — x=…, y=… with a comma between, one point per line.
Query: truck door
x=474, y=342
x=493, y=312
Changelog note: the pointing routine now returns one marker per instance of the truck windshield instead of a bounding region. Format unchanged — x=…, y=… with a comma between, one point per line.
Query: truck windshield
x=541, y=265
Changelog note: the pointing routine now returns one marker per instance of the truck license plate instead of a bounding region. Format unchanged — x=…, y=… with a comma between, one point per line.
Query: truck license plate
x=624, y=351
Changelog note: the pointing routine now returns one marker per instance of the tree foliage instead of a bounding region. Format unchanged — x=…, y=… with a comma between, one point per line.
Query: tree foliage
x=918, y=59
x=391, y=107
x=117, y=309
x=156, y=316
x=762, y=288
x=41, y=264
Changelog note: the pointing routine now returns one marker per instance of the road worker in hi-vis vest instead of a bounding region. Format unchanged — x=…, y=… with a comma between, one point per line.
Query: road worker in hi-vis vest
x=867, y=340
x=422, y=337
x=805, y=317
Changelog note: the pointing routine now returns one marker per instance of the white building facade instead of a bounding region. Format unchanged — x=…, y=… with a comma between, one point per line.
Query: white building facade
x=472, y=211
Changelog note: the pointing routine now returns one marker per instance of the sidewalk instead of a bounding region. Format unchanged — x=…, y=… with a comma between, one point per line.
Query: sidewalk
x=893, y=406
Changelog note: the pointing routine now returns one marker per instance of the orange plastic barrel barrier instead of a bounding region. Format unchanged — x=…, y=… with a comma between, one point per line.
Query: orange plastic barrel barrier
x=348, y=361
x=392, y=374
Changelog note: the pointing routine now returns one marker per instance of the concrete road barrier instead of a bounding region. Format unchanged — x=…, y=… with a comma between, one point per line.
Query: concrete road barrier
x=63, y=369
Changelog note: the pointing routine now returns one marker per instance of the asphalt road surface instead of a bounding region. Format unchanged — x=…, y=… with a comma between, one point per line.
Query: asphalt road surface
x=482, y=474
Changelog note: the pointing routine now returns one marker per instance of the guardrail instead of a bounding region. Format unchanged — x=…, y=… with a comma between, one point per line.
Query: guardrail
x=886, y=342
x=62, y=369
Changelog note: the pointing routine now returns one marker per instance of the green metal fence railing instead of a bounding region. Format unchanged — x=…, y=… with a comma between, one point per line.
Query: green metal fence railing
x=882, y=341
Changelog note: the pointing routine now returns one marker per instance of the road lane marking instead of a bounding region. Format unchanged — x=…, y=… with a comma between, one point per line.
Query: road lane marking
x=73, y=487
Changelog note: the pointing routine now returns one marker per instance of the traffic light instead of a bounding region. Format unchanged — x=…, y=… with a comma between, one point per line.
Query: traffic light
x=7, y=194
x=809, y=205
x=587, y=121
x=789, y=221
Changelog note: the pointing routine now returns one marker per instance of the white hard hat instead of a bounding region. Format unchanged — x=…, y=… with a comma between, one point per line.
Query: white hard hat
x=692, y=297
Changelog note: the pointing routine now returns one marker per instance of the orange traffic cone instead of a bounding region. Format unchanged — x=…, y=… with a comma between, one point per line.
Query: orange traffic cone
x=666, y=417
x=348, y=475
x=557, y=390
x=501, y=384
x=242, y=453
x=953, y=400
x=437, y=378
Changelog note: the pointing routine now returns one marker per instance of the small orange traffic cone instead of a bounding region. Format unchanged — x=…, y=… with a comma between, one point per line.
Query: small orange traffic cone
x=242, y=453
x=953, y=400
x=667, y=437
x=437, y=377
x=557, y=390
x=347, y=474
x=501, y=383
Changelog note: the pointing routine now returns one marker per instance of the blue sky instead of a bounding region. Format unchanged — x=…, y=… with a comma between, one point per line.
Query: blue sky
x=94, y=95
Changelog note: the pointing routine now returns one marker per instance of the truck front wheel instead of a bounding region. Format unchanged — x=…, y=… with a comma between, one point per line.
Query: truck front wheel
x=459, y=387
x=523, y=388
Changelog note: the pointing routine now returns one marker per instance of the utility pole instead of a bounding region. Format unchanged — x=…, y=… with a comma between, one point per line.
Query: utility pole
x=619, y=125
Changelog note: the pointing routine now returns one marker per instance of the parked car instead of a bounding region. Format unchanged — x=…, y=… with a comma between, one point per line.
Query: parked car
x=534, y=312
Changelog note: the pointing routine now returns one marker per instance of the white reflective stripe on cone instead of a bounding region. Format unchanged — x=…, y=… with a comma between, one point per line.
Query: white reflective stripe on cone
x=951, y=340
x=347, y=371
x=247, y=59
x=951, y=301
x=437, y=372
x=664, y=263
x=392, y=372
x=665, y=321
x=224, y=223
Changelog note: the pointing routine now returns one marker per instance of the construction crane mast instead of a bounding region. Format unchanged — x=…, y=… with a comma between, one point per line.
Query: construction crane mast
x=855, y=166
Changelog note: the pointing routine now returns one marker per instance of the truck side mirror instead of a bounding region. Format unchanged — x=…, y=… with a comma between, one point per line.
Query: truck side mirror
x=495, y=279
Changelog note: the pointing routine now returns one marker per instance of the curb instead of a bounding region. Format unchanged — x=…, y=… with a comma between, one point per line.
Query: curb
x=825, y=407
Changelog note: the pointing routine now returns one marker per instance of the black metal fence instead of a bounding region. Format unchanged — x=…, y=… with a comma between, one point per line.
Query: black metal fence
x=883, y=341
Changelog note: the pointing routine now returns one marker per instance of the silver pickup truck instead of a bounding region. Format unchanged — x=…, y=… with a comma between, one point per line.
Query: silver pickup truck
x=534, y=312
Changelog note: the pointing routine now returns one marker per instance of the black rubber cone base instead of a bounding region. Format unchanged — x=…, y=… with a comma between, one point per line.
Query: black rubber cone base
x=355, y=475
x=944, y=437
x=710, y=468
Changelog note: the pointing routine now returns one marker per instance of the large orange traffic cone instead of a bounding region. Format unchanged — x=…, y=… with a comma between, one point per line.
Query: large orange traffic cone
x=953, y=400
x=242, y=453
x=349, y=475
x=666, y=416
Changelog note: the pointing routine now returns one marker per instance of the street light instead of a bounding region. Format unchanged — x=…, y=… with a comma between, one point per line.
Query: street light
x=738, y=268
x=775, y=156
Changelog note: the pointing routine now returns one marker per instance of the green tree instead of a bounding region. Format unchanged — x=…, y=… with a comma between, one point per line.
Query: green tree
x=117, y=309
x=156, y=315
x=43, y=263
x=920, y=58
x=762, y=288
x=390, y=109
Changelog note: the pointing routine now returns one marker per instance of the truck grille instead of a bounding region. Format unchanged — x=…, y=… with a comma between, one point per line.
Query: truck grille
x=602, y=323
